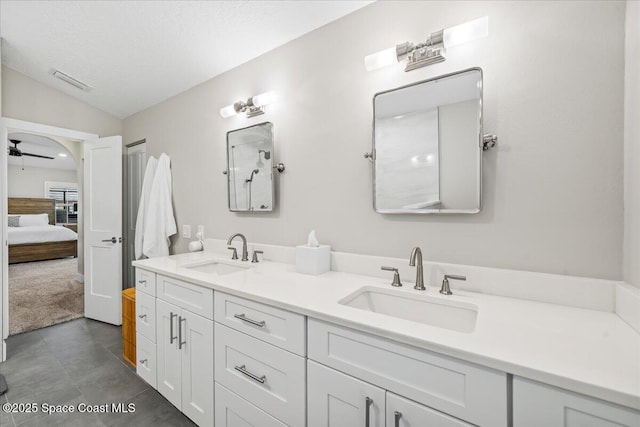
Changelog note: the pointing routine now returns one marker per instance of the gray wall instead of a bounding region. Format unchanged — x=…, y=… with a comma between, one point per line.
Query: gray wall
x=26, y=99
x=552, y=190
x=30, y=181
x=632, y=147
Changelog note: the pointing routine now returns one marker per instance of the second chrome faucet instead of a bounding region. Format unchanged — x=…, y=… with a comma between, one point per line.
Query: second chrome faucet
x=416, y=257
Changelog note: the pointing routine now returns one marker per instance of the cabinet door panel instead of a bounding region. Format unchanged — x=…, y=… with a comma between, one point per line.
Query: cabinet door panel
x=338, y=400
x=536, y=404
x=402, y=412
x=146, y=315
x=234, y=411
x=196, y=299
x=146, y=360
x=197, y=367
x=169, y=366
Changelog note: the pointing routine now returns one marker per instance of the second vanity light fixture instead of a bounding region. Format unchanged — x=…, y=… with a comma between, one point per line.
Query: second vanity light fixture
x=432, y=50
x=253, y=106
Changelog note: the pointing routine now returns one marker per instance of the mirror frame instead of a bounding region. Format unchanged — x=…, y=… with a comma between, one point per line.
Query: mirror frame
x=478, y=145
x=273, y=184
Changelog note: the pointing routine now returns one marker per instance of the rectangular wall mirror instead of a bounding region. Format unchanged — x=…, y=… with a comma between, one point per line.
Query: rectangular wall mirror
x=427, y=146
x=250, y=168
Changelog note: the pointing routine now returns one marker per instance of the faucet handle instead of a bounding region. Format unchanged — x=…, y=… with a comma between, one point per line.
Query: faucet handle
x=396, y=275
x=254, y=258
x=446, y=290
x=235, y=252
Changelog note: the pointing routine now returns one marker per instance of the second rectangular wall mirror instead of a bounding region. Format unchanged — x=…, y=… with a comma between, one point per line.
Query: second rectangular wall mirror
x=427, y=146
x=250, y=167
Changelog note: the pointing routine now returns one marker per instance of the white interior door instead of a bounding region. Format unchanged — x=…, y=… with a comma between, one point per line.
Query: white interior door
x=103, y=229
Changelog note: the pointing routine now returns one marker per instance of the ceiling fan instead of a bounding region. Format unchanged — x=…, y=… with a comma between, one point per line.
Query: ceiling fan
x=15, y=151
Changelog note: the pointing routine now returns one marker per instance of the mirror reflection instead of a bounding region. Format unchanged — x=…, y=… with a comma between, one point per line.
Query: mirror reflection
x=250, y=168
x=427, y=148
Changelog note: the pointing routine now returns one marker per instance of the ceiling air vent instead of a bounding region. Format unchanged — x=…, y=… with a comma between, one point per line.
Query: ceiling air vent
x=70, y=80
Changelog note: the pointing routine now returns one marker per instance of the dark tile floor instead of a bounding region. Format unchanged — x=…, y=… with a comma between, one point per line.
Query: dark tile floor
x=79, y=362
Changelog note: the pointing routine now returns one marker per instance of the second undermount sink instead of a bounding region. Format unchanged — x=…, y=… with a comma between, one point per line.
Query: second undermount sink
x=216, y=267
x=433, y=311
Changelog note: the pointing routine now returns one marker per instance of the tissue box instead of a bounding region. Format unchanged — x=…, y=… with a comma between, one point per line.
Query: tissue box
x=313, y=260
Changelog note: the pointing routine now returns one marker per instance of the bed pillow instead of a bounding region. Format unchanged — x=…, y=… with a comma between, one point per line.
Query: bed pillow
x=13, y=221
x=31, y=220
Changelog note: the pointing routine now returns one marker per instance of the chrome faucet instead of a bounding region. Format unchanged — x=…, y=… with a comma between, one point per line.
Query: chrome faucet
x=245, y=253
x=417, y=253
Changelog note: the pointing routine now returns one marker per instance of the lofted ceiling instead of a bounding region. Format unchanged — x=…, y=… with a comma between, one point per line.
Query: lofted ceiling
x=135, y=54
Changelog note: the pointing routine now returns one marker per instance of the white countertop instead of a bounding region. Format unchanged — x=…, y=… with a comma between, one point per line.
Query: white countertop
x=586, y=351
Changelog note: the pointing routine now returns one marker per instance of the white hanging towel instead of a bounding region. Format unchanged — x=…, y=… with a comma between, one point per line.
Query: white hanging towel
x=159, y=223
x=149, y=173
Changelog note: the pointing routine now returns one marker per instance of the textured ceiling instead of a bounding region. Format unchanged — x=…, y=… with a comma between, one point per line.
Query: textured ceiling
x=135, y=54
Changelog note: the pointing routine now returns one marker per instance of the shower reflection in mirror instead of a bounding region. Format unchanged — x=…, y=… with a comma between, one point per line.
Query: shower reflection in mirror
x=250, y=167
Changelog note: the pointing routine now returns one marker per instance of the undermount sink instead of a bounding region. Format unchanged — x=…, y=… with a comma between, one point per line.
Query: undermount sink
x=453, y=315
x=216, y=267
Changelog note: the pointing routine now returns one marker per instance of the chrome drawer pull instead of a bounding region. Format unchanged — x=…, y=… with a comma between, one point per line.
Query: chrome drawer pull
x=171, y=337
x=180, y=342
x=368, y=402
x=142, y=282
x=143, y=361
x=142, y=316
x=397, y=416
x=242, y=317
x=242, y=369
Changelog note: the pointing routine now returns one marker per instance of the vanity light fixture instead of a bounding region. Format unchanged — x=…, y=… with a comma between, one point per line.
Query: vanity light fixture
x=253, y=106
x=432, y=50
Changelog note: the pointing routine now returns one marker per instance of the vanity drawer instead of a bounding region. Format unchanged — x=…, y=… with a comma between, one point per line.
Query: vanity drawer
x=536, y=404
x=267, y=376
x=196, y=299
x=146, y=315
x=146, y=281
x=234, y=411
x=146, y=360
x=464, y=390
x=276, y=326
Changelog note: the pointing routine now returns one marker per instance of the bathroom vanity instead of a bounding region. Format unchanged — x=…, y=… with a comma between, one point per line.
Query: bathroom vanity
x=234, y=343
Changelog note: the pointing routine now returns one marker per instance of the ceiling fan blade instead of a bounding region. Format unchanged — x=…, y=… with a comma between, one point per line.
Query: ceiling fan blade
x=37, y=155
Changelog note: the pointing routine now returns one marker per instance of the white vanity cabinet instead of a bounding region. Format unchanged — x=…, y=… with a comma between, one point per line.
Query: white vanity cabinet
x=184, y=343
x=466, y=391
x=259, y=363
x=339, y=400
x=146, y=326
x=536, y=404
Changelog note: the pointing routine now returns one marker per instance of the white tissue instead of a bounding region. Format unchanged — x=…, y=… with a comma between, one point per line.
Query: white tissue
x=312, y=241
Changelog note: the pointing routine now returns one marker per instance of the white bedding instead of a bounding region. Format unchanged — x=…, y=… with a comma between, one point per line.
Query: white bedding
x=40, y=234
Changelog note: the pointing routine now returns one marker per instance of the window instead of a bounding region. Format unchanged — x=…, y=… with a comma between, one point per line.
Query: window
x=66, y=197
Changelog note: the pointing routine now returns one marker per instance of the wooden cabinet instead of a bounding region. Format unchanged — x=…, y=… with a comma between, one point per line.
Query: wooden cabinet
x=536, y=404
x=184, y=343
x=339, y=400
x=129, y=325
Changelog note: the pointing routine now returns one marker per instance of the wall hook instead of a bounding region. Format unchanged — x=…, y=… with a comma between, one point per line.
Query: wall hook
x=489, y=141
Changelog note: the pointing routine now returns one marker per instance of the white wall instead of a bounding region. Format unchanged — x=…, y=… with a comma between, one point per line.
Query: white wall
x=30, y=181
x=553, y=93
x=632, y=146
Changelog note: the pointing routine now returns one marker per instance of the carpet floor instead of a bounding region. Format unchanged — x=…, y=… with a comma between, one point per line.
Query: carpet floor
x=44, y=293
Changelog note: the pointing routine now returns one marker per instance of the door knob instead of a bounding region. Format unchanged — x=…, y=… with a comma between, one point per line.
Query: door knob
x=112, y=240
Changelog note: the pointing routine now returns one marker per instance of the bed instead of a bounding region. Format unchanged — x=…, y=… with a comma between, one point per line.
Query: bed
x=38, y=242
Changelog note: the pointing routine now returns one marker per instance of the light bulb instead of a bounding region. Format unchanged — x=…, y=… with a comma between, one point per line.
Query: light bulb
x=381, y=59
x=228, y=111
x=264, y=99
x=466, y=32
